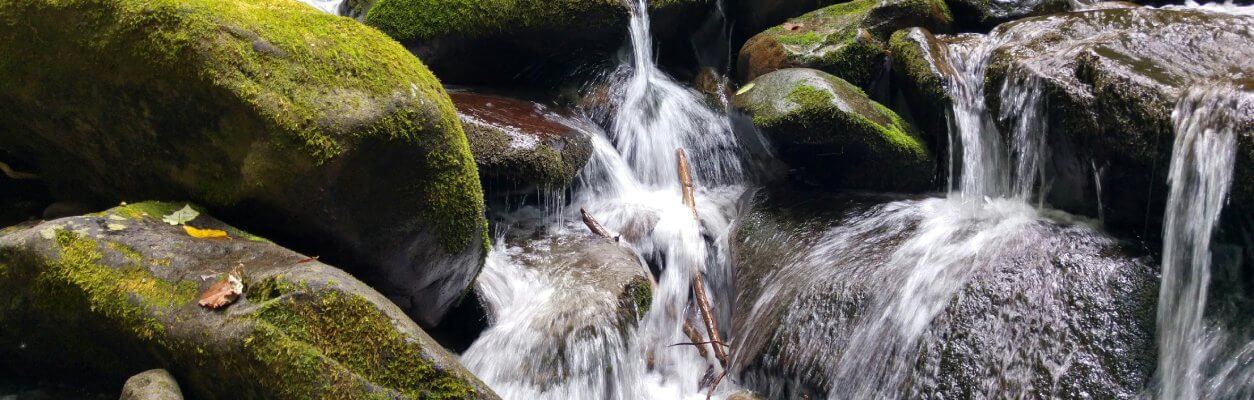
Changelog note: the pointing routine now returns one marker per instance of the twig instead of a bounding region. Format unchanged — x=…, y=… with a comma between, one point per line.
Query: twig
x=694, y=336
x=595, y=226
x=15, y=175
x=710, y=393
x=698, y=283
x=698, y=344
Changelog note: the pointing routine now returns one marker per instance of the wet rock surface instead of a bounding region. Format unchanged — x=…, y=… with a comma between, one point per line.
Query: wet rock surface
x=520, y=145
x=834, y=134
x=1111, y=92
x=153, y=384
x=104, y=296
x=1055, y=309
x=848, y=40
x=235, y=105
x=983, y=15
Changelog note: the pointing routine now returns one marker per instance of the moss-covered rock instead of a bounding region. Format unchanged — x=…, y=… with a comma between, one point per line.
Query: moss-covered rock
x=1110, y=96
x=848, y=40
x=921, y=71
x=835, y=134
x=108, y=295
x=754, y=16
x=485, y=41
x=520, y=145
x=982, y=15
x=318, y=125
x=816, y=275
x=153, y=384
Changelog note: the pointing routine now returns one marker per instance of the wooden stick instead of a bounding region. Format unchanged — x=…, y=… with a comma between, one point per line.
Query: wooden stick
x=595, y=226
x=698, y=283
x=694, y=336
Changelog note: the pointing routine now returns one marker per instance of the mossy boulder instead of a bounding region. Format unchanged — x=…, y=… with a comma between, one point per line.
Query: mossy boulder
x=849, y=40
x=153, y=384
x=104, y=296
x=921, y=71
x=1110, y=96
x=817, y=273
x=495, y=41
x=519, y=145
x=834, y=134
x=310, y=123
x=983, y=15
x=757, y=15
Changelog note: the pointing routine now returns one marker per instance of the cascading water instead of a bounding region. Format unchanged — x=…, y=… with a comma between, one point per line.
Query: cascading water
x=632, y=186
x=1201, y=175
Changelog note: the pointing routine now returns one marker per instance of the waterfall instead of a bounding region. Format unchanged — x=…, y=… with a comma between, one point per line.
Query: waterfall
x=1200, y=176
x=630, y=184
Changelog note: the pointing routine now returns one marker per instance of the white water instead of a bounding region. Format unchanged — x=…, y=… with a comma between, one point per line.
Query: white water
x=630, y=185
x=1201, y=174
x=326, y=6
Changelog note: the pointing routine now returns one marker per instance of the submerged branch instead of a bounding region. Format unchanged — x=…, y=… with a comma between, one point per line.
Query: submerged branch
x=595, y=226
x=698, y=282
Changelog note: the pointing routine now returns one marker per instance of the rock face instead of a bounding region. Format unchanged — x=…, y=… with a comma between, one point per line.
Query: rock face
x=860, y=297
x=982, y=15
x=1111, y=95
x=153, y=384
x=112, y=294
x=320, y=126
x=921, y=71
x=836, y=135
x=848, y=40
x=473, y=41
x=520, y=145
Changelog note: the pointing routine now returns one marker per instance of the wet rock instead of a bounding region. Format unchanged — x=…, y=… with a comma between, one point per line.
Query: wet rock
x=842, y=296
x=834, y=134
x=921, y=71
x=520, y=145
x=757, y=15
x=348, y=140
x=355, y=8
x=153, y=384
x=467, y=41
x=1110, y=96
x=983, y=15
x=848, y=40
x=119, y=290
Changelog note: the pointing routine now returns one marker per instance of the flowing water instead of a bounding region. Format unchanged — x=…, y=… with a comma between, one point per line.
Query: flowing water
x=1201, y=174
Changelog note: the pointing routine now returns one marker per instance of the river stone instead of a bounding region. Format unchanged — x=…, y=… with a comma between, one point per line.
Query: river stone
x=520, y=145
x=476, y=41
x=153, y=384
x=834, y=134
x=307, y=123
x=757, y=15
x=983, y=15
x=1110, y=96
x=848, y=40
x=1062, y=311
x=115, y=293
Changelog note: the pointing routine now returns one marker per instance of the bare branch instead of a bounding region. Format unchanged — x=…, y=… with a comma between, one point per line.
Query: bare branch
x=595, y=226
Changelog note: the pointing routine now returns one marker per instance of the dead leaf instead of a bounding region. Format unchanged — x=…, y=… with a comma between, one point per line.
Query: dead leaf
x=222, y=293
x=791, y=26
x=204, y=233
x=115, y=227
x=310, y=259
x=182, y=216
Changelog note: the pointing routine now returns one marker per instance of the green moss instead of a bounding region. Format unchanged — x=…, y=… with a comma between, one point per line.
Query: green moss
x=305, y=330
x=416, y=20
x=810, y=97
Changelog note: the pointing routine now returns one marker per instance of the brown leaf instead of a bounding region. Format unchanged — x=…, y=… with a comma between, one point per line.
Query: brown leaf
x=791, y=26
x=222, y=293
x=306, y=260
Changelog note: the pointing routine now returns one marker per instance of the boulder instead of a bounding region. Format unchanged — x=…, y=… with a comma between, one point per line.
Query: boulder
x=834, y=134
x=108, y=295
x=310, y=124
x=857, y=296
x=921, y=71
x=757, y=15
x=983, y=15
x=520, y=145
x=562, y=302
x=472, y=41
x=848, y=40
x=1111, y=95
x=153, y=384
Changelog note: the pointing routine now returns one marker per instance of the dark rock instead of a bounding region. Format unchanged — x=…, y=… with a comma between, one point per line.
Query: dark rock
x=520, y=145
x=348, y=140
x=757, y=15
x=469, y=41
x=982, y=15
x=836, y=135
x=108, y=295
x=848, y=40
x=1033, y=307
x=1111, y=92
x=153, y=384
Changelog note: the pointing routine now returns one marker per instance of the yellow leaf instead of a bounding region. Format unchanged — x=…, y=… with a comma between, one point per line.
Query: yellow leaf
x=204, y=233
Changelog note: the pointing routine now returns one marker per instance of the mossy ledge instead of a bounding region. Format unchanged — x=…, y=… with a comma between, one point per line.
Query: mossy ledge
x=104, y=296
x=313, y=124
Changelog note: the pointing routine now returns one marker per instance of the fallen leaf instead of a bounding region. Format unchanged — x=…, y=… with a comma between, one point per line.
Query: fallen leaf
x=745, y=89
x=222, y=293
x=115, y=227
x=204, y=233
x=791, y=26
x=181, y=216
x=310, y=259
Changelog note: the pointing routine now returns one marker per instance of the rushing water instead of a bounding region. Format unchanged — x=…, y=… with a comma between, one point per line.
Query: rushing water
x=1200, y=176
